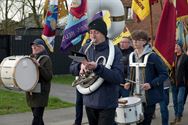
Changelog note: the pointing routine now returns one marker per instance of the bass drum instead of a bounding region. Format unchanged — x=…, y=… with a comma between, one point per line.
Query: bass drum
x=19, y=73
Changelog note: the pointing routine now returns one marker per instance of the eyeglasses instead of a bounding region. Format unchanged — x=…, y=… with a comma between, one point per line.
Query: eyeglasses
x=139, y=40
x=124, y=42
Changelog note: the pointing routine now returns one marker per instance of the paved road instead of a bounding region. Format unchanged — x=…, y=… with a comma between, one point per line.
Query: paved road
x=66, y=116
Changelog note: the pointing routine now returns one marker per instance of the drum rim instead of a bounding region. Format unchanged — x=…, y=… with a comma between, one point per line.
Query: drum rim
x=4, y=60
x=14, y=72
x=138, y=121
x=127, y=106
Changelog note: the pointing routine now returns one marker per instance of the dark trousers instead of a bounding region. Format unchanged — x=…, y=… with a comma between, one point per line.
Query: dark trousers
x=79, y=108
x=37, y=115
x=186, y=93
x=164, y=107
x=148, y=114
x=100, y=116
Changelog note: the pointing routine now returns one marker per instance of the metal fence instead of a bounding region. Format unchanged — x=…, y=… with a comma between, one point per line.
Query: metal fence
x=20, y=45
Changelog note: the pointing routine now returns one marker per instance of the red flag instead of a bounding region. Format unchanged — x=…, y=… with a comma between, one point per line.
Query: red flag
x=182, y=8
x=165, y=37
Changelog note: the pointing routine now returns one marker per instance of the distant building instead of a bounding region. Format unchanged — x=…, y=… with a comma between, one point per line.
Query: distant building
x=10, y=24
x=26, y=23
x=29, y=21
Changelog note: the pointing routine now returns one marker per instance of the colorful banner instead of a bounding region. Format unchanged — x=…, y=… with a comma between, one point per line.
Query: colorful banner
x=50, y=23
x=62, y=12
x=141, y=8
x=76, y=25
x=166, y=33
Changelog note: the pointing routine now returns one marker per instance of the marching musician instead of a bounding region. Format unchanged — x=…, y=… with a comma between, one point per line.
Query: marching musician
x=38, y=100
x=180, y=82
x=100, y=104
x=151, y=77
x=126, y=48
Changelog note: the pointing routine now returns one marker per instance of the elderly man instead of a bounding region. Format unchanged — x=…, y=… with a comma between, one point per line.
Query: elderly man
x=126, y=48
x=39, y=100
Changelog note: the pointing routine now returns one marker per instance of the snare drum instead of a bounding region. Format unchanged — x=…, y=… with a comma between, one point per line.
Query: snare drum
x=131, y=112
x=19, y=73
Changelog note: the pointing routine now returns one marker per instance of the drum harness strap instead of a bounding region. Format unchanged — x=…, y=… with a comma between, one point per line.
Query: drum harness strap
x=132, y=76
x=41, y=63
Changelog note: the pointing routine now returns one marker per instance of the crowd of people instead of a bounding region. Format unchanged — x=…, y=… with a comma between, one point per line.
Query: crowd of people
x=133, y=60
x=155, y=79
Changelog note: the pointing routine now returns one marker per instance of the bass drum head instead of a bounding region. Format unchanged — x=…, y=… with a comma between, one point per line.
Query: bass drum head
x=26, y=74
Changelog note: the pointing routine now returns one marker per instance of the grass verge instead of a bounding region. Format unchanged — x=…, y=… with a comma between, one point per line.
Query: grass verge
x=63, y=79
x=14, y=102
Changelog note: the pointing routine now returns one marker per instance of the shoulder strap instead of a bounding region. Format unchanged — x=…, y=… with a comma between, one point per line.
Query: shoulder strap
x=41, y=57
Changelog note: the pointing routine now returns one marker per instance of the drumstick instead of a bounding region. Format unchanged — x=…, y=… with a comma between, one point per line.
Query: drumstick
x=131, y=81
x=122, y=101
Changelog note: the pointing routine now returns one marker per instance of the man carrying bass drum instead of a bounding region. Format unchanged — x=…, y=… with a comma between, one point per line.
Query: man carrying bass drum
x=101, y=103
x=38, y=100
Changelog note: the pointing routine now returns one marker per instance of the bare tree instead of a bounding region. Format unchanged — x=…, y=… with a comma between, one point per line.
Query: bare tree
x=8, y=11
x=17, y=10
x=36, y=8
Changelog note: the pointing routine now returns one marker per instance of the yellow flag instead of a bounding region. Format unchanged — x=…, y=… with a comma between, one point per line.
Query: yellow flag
x=141, y=8
x=106, y=18
x=123, y=34
x=86, y=37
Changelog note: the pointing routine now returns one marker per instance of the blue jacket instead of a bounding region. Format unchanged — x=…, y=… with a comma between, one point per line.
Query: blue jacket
x=106, y=96
x=155, y=74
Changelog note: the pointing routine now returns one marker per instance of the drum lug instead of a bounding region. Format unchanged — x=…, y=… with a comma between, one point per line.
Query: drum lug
x=141, y=116
x=136, y=113
x=125, y=115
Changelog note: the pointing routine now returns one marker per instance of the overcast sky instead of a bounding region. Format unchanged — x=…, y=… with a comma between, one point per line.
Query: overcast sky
x=17, y=16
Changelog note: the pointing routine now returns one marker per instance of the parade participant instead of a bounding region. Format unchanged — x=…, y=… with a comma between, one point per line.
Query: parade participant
x=164, y=103
x=180, y=80
x=126, y=49
x=39, y=100
x=101, y=103
x=150, y=77
x=79, y=108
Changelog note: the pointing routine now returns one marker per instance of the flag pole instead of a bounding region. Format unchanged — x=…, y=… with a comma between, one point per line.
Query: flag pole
x=151, y=25
x=185, y=33
x=66, y=5
x=161, y=3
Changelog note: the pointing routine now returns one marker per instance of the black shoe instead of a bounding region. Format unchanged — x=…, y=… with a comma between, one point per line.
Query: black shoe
x=178, y=121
